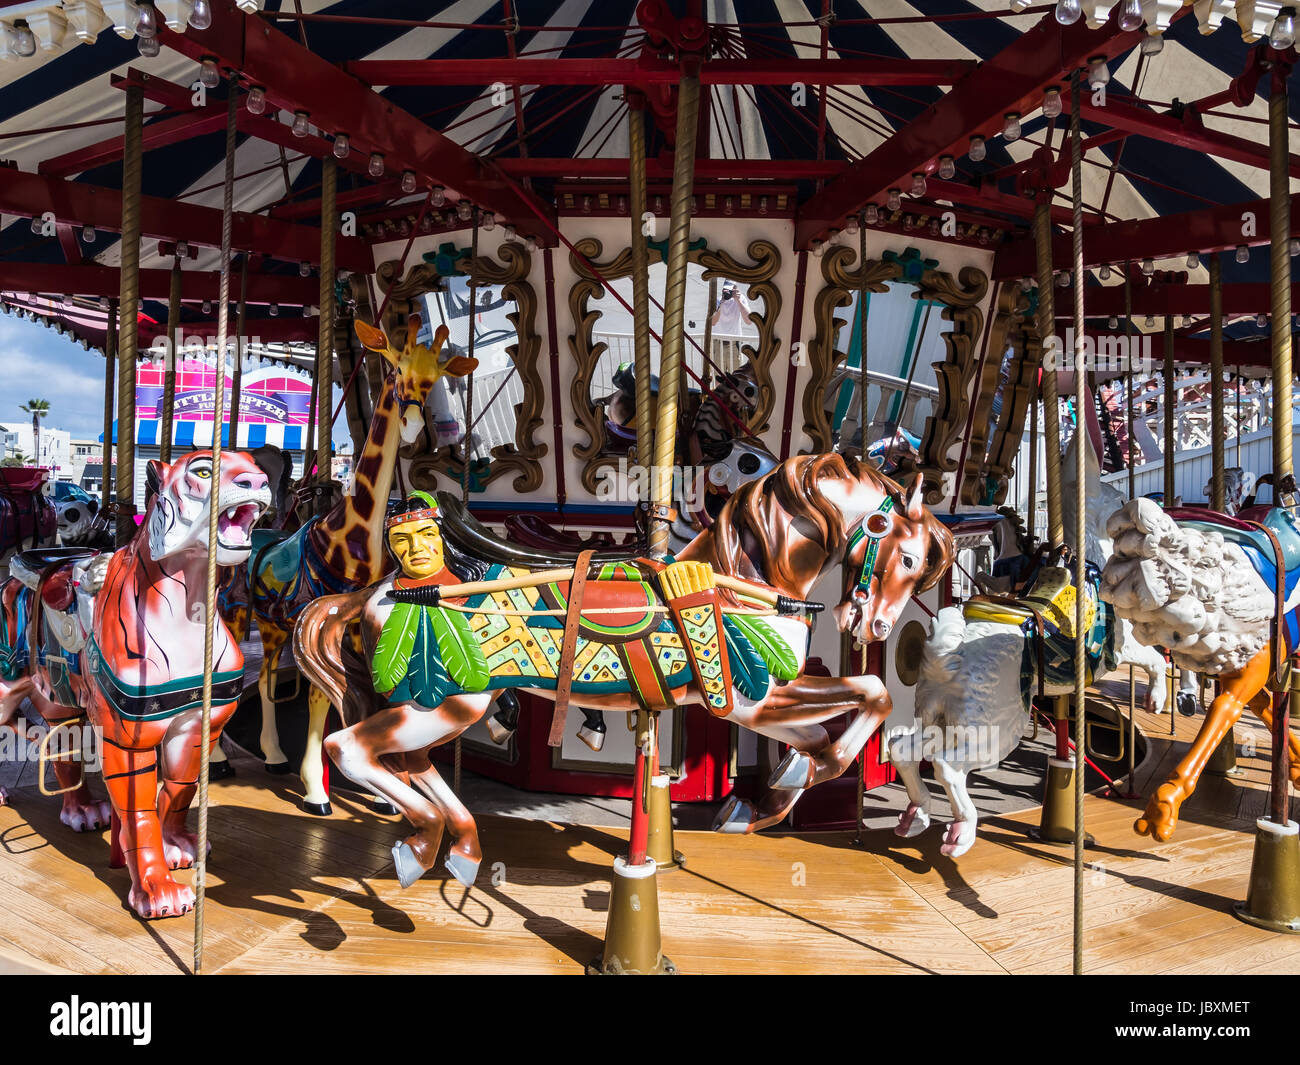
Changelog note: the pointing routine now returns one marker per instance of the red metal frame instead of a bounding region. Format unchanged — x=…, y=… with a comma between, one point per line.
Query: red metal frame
x=91, y=279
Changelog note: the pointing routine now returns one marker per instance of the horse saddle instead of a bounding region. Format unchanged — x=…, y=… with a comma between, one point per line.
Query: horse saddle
x=1244, y=530
x=1051, y=597
x=532, y=530
x=51, y=574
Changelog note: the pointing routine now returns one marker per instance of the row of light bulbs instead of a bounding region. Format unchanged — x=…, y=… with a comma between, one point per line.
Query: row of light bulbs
x=1068, y=12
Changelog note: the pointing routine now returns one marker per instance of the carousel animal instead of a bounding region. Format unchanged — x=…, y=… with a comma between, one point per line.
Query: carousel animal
x=1222, y=594
x=644, y=634
x=980, y=668
x=119, y=637
x=27, y=517
x=1238, y=483
x=339, y=551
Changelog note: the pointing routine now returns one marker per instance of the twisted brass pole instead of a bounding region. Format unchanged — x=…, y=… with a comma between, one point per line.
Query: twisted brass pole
x=469, y=379
x=645, y=417
x=110, y=364
x=241, y=348
x=1170, y=401
x=169, y=374
x=670, y=358
x=210, y=618
x=1130, y=356
x=1048, y=386
x=1217, y=431
x=325, y=331
x=129, y=311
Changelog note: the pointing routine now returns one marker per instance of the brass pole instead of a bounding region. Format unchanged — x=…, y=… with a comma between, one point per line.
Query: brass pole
x=670, y=358
x=1033, y=456
x=1080, y=506
x=469, y=380
x=1217, y=431
x=169, y=375
x=129, y=312
x=241, y=349
x=640, y=282
x=110, y=364
x=214, y=512
x=1048, y=387
x=864, y=409
x=1131, y=401
x=1169, y=446
x=325, y=332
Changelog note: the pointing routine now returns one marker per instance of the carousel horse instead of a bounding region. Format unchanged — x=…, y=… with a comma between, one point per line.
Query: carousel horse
x=986, y=659
x=725, y=624
x=27, y=517
x=1223, y=595
x=339, y=551
x=120, y=637
x=1238, y=483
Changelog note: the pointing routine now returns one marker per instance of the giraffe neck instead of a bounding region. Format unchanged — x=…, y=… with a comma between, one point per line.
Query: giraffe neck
x=350, y=537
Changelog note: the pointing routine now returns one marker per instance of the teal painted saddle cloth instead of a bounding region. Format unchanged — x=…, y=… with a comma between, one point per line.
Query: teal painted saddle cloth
x=512, y=639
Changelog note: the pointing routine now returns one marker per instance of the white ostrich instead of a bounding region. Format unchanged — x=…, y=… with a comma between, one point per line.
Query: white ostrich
x=970, y=698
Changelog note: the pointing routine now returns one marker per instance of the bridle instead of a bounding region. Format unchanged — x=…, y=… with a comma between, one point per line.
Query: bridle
x=873, y=528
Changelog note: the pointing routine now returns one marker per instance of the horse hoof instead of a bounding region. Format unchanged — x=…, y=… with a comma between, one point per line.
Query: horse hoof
x=408, y=869
x=463, y=869
x=383, y=806
x=320, y=809
x=277, y=769
x=220, y=771
x=912, y=822
x=593, y=739
x=1186, y=704
x=795, y=771
x=735, y=816
x=499, y=734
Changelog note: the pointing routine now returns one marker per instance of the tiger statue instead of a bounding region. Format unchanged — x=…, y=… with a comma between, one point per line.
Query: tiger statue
x=120, y=638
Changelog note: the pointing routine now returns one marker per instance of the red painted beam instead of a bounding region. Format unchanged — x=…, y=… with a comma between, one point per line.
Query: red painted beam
x=296, y=79
x=1105, y=300
x=1012, y=80
x=91, y=279
x=367, y=196
x=75, y=202
x=1186, y=132
x=662, y=168
x=1209, y=229
x=157, y=134
x=644, y=71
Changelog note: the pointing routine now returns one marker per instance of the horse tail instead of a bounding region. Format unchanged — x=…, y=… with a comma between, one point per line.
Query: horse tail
x=318, y=641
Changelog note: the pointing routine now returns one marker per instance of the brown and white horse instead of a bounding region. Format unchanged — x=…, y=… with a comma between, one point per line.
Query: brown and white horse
x=809, y=515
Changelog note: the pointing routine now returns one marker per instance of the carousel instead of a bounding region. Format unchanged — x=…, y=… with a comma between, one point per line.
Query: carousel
x=543, y=444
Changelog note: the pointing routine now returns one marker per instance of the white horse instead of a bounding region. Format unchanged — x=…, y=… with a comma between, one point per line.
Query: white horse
x=969, y=693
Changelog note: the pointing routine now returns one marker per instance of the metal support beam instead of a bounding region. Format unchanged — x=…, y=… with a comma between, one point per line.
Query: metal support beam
x=1163, y=299
x=92, y=280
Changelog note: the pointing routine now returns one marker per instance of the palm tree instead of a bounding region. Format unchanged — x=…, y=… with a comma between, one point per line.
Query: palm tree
x=38, y=409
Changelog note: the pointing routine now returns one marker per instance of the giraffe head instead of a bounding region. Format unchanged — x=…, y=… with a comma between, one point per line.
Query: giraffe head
x=416, y=370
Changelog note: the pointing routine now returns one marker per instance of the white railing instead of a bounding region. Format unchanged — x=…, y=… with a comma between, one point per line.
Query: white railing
x=727, y=355
x=895, y=403
x=494, y=419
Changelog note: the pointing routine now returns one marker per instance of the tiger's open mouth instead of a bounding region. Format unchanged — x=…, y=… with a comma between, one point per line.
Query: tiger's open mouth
x=235, y=525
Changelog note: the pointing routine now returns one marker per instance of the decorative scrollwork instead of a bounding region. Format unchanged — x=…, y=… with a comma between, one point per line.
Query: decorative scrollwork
x=758, y=274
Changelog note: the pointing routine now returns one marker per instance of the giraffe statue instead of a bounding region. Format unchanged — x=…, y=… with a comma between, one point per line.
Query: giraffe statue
x=341, y=550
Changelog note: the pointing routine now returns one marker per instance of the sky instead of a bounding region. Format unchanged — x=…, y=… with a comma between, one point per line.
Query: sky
x=38, y=363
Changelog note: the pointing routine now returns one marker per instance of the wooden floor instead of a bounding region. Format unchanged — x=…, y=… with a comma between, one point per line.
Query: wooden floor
x=293, y=893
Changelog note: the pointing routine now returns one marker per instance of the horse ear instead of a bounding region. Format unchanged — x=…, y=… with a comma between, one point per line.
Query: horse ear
x=916, y=498
x=153, y=478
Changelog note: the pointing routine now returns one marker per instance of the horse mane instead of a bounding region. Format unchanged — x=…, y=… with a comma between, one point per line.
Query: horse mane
x=756, y=519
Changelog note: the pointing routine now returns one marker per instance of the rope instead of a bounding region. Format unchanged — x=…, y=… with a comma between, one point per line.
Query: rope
x=237, y=375
x=214, y=512
x=640, y=283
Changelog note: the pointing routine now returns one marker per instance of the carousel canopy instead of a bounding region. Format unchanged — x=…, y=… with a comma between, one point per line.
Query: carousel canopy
x=814, y=110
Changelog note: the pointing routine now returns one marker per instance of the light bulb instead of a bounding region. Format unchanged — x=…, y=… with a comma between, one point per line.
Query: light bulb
x=439, y=196
x=1130, y=15
x=1063, y=279
x=530, y=245
x=408, y=181
x=1112, y=322
x=1018, y=6
x=306, y=312
x=818, y=248
x=1152, y=44
x=872, y=214
x=918, y=185
x=38, y=224
x=1243, y=253
x=762, y=205
x=509, y=233
x=256, y=100
x=489, y=221
x=1282, y=35
x=182, y=249
x=1104, y=272
x=148, y=46
x=88, y=234
x=895, y=200
x=342, y=146
x=1011, y=126
x=1187, y=320
x=908, y=223
x=934, y=227
x=274, y=310
x=1051, y=102
x=375, y=168
x=694, y=206
x=464, y=209
x=1098, y=72
x=1151, y=321
x=586, y=205
x=209, y=73
x=729, y=206
x=947, y=168
x=620, y=205
x=1068, y=12
x=1295, y=246
x=977, y=150
x=1148, y=267
x=146, y=22
x=201, y=15
x=300, y=124
x=851, y=225
x=207, y=306
x=103, y=303
x=1026, y=283
x=1261, y=320
x=304, y=269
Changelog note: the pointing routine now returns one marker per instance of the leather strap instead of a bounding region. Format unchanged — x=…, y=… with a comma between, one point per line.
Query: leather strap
x=569, y=649
x=1277, y=631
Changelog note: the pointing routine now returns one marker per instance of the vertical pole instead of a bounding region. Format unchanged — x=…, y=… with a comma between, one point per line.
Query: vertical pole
x=1048, y=388
x=1080, y=508
x=1129, y=403
x=129, y=311
x=110, y=365
x=1217, y=432
x=1170, y=402
x=214, y=512
x=329, y=180
x=169, y=375
x=645, y=416
x=864, y=412
x=469, y=380
x=1033, y=453
x=241, y=348
x=670, y=359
